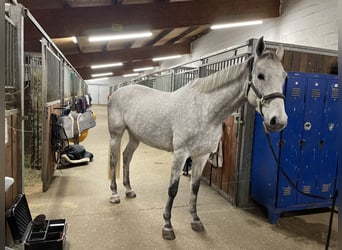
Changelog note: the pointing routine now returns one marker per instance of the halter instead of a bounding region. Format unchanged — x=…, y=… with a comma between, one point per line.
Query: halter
x=262, y=98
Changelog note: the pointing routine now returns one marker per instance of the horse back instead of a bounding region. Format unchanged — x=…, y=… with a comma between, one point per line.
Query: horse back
x=145, y=112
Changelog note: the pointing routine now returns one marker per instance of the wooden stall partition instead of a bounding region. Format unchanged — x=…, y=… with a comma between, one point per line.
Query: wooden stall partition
x=12, y=155
x=12, y=166
x=229, y=147
x=49, y=165
x=206, y=173
x=223, y=179
x=309, y=62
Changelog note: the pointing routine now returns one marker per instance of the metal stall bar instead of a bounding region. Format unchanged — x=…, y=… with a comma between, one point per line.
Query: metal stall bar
x=43, y=101
x=244, y=145
x=51, y=81
x=339, y=201
x=2, y=125
x=17, y=17
x=46, y=36
x=301, y=48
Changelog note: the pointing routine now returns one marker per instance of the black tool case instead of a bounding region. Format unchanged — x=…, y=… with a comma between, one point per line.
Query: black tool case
x=48, y=235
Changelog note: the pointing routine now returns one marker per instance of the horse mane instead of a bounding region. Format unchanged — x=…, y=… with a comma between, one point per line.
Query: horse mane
x=219, y=79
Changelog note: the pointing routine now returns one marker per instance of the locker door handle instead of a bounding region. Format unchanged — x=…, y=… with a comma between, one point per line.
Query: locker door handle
x=301, y=146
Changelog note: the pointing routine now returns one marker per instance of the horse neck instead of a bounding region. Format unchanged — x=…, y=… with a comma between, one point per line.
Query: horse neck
x=229, y=93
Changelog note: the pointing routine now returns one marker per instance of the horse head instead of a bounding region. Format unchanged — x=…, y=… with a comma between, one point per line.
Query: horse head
x=265, y=86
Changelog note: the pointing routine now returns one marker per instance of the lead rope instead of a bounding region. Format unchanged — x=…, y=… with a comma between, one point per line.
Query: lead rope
x=333, y=197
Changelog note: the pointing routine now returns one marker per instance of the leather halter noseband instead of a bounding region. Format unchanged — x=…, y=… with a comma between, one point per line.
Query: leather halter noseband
x=262, y=98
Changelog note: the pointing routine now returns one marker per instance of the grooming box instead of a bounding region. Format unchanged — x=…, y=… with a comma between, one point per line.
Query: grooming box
x=35, y=234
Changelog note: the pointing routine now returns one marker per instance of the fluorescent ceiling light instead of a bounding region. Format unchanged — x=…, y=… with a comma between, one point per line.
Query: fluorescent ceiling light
x=108, y=65
x=119, y=37
x=102, y=74
x=233, y=25
x=74, y=39
x=98, y=79
x=130, y=75
x=142, y=69
x=166, y=58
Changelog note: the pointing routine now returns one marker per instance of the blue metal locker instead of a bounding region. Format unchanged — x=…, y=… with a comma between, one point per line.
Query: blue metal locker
x=265, y=191
x=310, y=154
x=306, y=148
x=291, y=138
x=327, y=170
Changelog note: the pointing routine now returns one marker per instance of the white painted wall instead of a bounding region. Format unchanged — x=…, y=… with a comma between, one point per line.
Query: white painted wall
x=100, y=89
x=99, y=93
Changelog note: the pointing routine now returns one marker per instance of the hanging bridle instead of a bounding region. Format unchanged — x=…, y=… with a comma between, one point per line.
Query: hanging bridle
x=262, y=98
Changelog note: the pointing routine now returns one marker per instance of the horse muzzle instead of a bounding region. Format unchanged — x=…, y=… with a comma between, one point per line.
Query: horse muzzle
x=275, y=124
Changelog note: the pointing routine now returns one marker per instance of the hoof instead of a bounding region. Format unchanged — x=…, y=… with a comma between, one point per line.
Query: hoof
x=131, y=194
x=115, y=199
x=168, y=234
x=197, y=226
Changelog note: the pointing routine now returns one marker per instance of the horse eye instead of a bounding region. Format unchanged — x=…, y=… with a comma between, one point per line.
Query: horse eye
x=261, y=76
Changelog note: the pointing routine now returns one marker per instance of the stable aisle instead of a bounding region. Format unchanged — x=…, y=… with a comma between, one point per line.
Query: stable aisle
x=81, y=195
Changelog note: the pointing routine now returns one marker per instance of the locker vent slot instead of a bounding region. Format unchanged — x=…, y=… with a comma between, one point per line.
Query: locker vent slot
x=287, y=191
x=334, y=93
x=316, y=93
x=325, y=188
x=307, y=189
x=295, y=91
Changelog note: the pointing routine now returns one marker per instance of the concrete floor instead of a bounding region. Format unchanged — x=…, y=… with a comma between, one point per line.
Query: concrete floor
x=81, y=195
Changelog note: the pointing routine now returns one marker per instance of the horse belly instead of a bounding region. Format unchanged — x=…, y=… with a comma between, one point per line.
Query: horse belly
x=156, y=140
x=156, y=135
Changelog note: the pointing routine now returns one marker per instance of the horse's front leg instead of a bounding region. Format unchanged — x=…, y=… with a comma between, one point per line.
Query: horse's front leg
x=198, y=164
x=178, y=163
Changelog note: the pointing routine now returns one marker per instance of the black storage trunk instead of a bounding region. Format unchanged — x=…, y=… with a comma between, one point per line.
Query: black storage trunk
x=18, y=217
x=50, y=236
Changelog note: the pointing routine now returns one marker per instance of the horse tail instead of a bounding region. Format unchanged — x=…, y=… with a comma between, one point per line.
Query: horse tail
x=118, y=165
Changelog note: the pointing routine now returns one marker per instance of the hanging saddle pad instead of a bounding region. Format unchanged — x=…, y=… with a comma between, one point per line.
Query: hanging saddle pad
x=76, y=123
x=67, y=123
x=85, y=121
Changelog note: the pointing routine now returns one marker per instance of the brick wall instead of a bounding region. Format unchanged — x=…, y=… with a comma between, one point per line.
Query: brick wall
x=309, y=22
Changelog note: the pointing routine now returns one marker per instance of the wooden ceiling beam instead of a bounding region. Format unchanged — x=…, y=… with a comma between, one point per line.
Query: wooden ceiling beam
x=181, y=35
x=123, y=55
x=158, y=37
x=84, y=21
x=43, y=4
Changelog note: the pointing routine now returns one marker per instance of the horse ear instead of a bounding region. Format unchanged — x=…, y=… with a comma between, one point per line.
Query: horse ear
x=280, y=52
x=260, y=47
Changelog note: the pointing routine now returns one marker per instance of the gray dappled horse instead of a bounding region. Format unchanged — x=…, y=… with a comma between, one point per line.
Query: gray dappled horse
x=188, y=121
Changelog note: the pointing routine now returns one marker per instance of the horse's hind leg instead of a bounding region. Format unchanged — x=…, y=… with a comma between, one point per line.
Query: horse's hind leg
x=132, y=145
x=177, y=165
x=198, y=164
x=115, y=142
